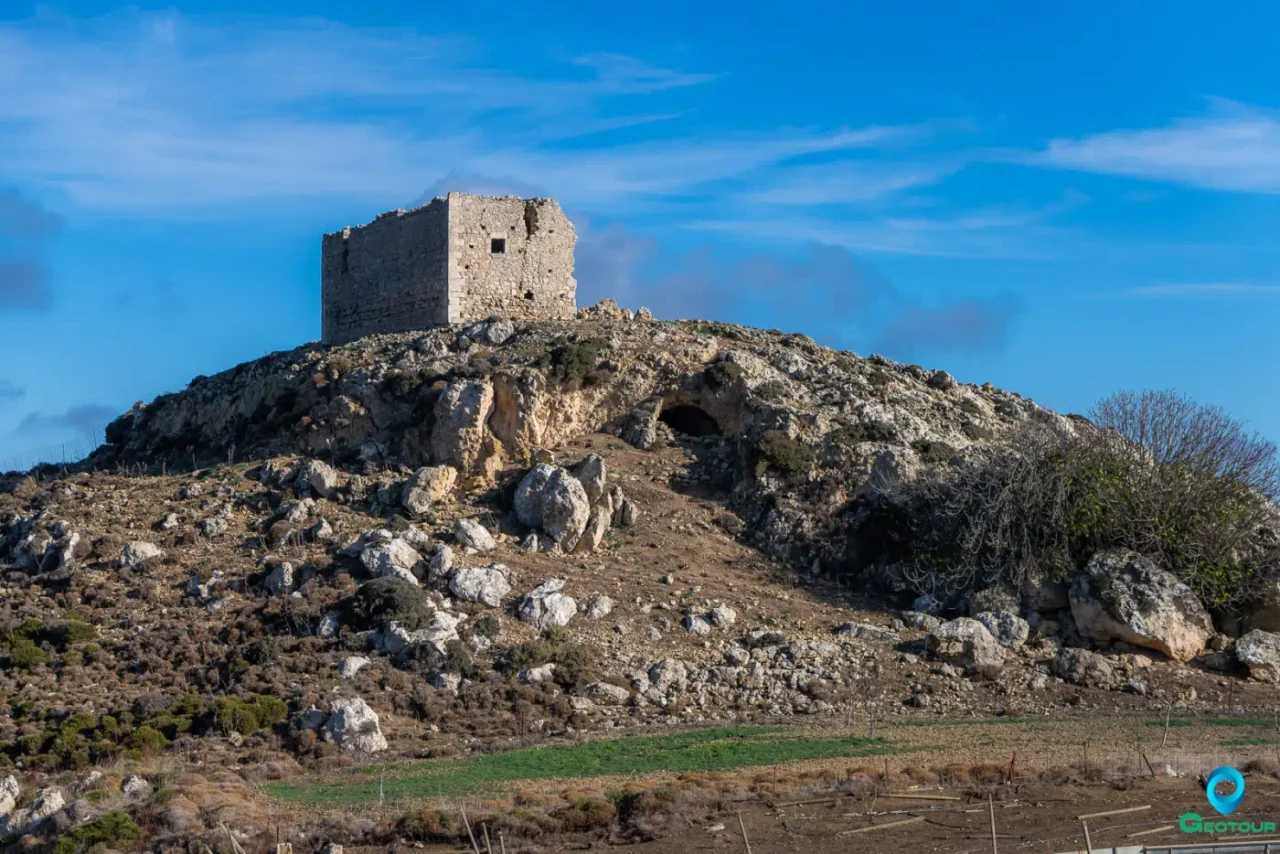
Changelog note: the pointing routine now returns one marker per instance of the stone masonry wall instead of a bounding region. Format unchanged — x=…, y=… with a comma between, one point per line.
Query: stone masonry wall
x=530, y=279
x=387, y=276
x=439, y=264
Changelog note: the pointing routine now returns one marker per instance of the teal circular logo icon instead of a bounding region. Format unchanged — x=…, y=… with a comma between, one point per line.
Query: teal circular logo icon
x=1224, y=804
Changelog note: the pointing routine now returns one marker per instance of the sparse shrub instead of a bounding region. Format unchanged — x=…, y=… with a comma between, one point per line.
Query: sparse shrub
x=1182, y=484
x=779, y=451
x=585, y=815
x=932, y=451
x=487, y=626
x=340, y=364
x=864, y=431
x=575, y=662
x=771, y=390
x=114, y=829
x=73, y=631
x=384, y=599
x=573, y=362
x=723, y=374
x=264, y=650
x=402, y=383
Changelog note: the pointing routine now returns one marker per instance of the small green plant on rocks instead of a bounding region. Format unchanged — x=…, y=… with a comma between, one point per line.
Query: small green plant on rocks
x=779, y=451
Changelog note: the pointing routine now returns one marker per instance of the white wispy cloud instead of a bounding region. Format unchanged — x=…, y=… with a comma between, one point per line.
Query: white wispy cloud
x=139, y=113
x=1203, y=290
x=995, y=232
x=849, y=182
x=1236, y=148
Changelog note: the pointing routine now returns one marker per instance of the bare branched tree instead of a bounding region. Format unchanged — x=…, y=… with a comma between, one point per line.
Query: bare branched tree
x=1183, y=484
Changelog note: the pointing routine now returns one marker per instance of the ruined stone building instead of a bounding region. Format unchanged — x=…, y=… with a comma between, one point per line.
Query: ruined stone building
x=457, y=259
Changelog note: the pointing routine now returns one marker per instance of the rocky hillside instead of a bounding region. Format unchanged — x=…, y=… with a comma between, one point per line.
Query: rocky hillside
x=461, y=540
x=798, y=433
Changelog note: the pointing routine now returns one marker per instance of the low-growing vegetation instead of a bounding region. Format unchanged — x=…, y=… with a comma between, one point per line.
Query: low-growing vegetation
x=701, y=750
x=83, y=739
x=1183, y=484
x=779, y=451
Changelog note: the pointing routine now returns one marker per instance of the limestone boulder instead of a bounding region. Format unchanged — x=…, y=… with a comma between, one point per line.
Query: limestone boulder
x=280, y=580
x=553, y=500
x=1009, y=630
x=592, y=474
x=668, y=674
x=485, y=585
x=394, y=558
x=966, y=643
x=28, y=819
x=605, y=694
x=458, y=437
x=10, y=791
x=597, y=527
x=473, y=536
x=599, y=607
x=322, y=478
x=547, y=607
x=494, y=331
x=429, y=486
x=1122, y=595
x=440, y=565
x=138, y=553
x=1082, y=667
x=1259, y=651
x=354, y=726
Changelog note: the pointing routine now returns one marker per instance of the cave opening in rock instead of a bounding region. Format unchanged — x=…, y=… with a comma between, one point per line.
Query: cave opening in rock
x=689, y=421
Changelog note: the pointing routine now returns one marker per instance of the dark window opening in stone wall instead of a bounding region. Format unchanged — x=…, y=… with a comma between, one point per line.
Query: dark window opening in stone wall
x=498, y=245
x=528, y=295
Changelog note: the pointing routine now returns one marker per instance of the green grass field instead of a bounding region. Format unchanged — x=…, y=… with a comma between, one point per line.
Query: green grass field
x=1228, y=722
x=971, y=722
x=701, y=750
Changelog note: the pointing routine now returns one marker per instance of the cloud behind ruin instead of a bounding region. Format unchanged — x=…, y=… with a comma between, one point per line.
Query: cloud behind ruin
x=826, y=289
x=84, y=418
x=25, y=227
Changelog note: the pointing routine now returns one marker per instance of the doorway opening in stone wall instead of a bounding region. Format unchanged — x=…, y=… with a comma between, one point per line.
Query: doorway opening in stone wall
x=498, y=246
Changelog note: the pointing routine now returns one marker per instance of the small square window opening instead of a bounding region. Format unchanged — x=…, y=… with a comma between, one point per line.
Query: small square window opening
x=498, y=245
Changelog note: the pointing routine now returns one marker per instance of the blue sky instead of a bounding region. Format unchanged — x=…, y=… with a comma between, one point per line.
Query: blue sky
x=1061, y=199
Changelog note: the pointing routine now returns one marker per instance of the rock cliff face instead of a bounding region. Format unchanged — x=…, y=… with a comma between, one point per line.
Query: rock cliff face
x=798, y=433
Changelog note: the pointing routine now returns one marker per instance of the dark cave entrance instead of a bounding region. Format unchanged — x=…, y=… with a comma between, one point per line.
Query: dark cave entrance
x=689, y=421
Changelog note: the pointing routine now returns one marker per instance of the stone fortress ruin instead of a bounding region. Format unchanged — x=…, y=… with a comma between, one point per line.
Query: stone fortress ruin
x=459, y=258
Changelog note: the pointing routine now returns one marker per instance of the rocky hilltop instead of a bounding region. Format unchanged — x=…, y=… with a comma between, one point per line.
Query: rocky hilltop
x=456, y=541
x=796, y=433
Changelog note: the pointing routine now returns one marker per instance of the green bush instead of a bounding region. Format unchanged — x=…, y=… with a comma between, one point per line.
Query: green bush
x=864, y=431
x=575, y=361
x=114, y=829
x=779, y=451
x=250, y=715
x=146, y=739
x=383, y=599
x=575, y=662
x=722, y=374
x=24, y=654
